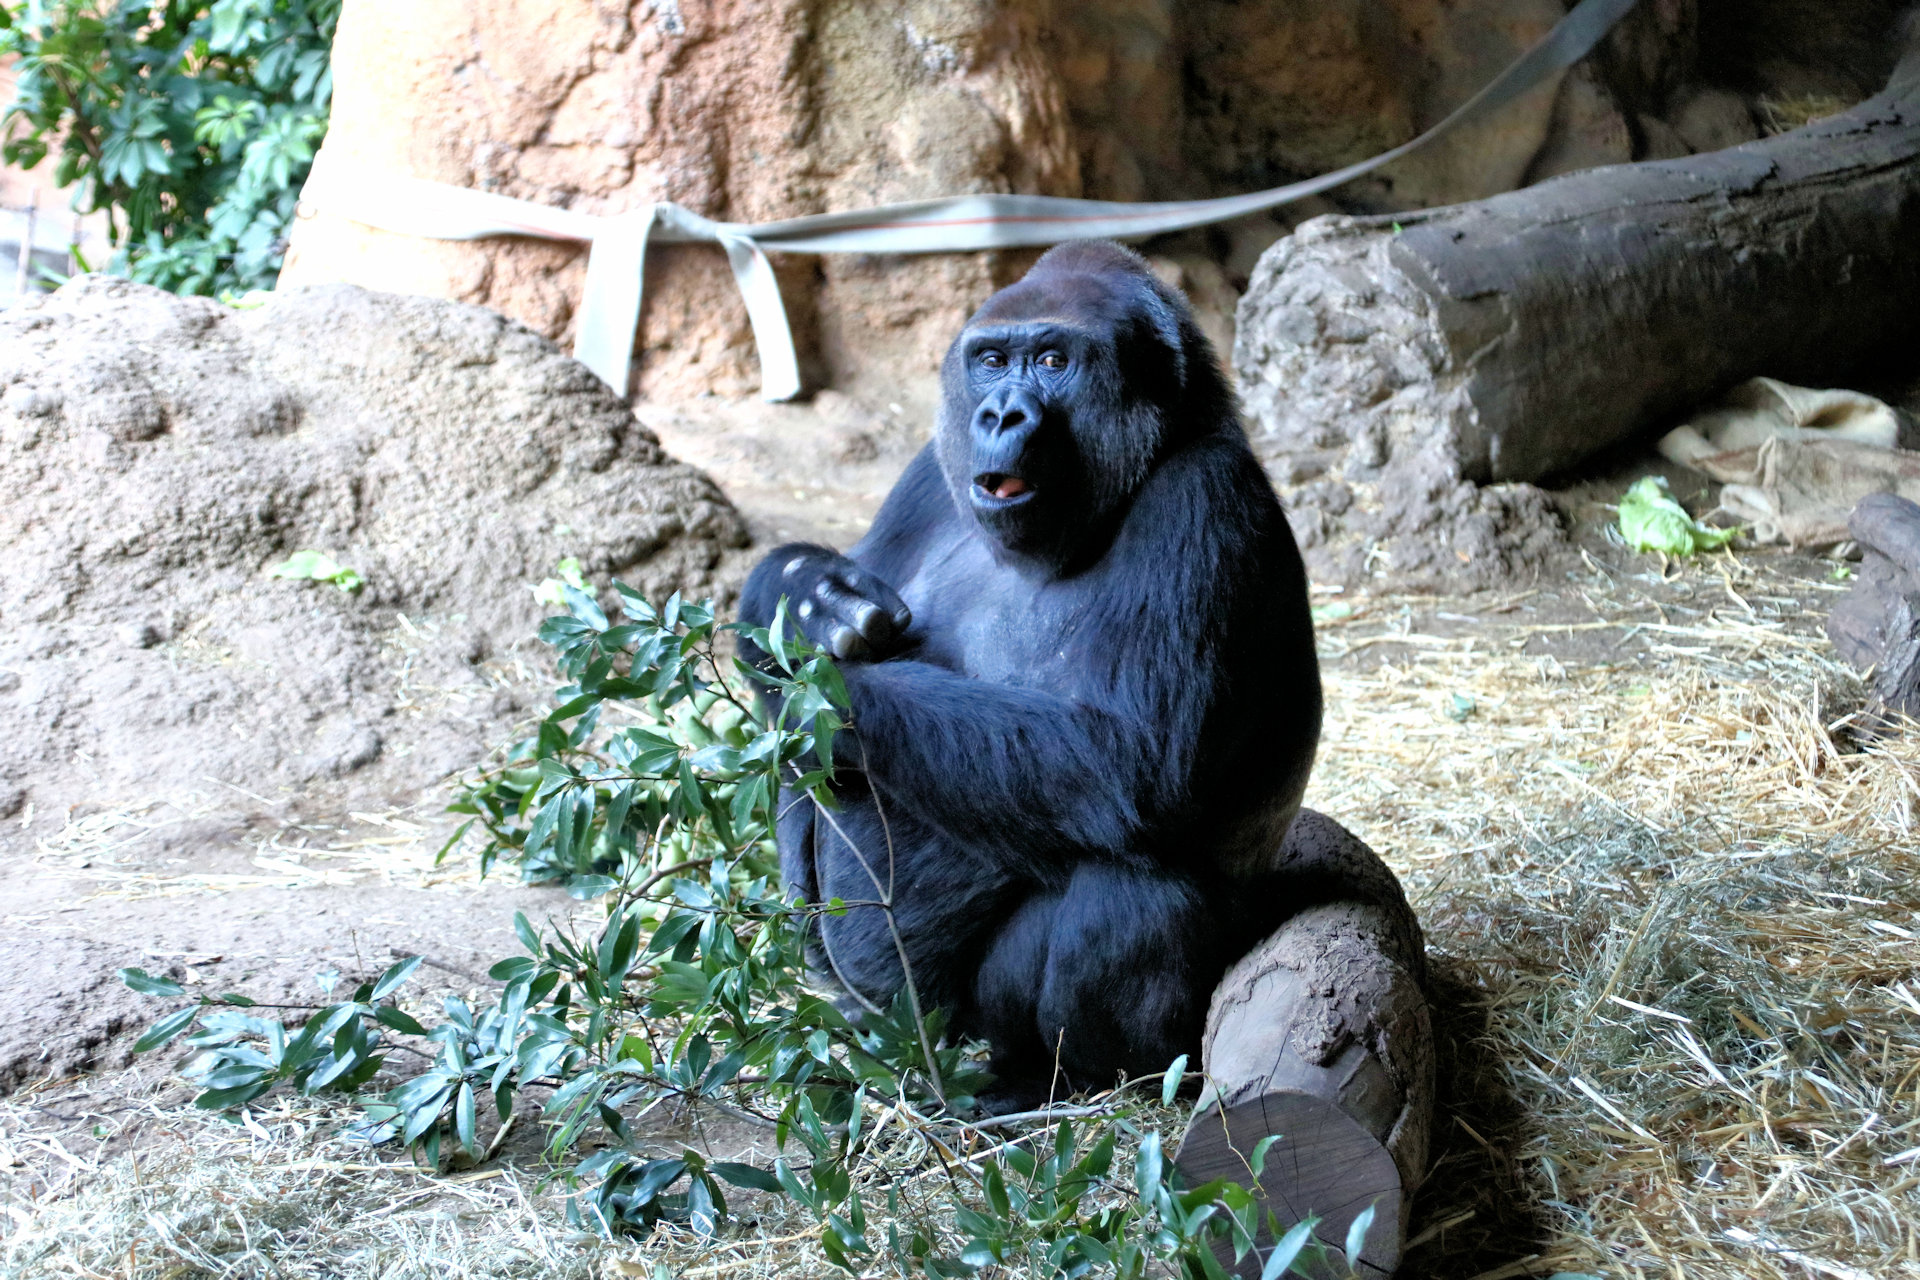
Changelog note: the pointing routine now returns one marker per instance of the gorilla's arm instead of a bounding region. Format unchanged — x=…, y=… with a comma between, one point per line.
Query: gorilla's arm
x=1026, y=774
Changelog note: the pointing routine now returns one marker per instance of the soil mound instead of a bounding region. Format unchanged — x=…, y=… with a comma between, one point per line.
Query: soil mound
x=160, y=454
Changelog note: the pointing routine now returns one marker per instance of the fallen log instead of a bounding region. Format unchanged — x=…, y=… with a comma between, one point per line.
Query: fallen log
x=1321, y=1035
x=1510, y=339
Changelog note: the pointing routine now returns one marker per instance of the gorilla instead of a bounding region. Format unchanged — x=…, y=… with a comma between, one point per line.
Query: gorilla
x=1084, y=694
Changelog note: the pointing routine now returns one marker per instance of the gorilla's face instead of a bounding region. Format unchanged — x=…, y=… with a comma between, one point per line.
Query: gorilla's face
x=1055, y=399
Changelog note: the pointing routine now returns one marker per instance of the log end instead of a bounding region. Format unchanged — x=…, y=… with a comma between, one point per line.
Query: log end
x=1325, y=1165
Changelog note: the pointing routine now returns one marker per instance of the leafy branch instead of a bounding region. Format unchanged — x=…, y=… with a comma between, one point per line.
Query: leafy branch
x=651, y=790
x=191, y=122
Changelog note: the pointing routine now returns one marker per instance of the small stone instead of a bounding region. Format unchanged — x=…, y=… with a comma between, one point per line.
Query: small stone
x=138, y=635
x=854, y=447
x=30, y=402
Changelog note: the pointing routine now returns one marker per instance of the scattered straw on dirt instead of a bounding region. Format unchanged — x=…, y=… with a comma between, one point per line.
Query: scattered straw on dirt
x=1675, y=918
x=1676, y=930
x=275, y=1194
x=111, y=849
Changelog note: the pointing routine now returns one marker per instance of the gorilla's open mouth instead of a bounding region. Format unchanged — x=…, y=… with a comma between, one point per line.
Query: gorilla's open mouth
x=998, y=484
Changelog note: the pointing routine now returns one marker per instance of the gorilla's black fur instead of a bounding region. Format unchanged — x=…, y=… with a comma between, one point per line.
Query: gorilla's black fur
x=1085, y=699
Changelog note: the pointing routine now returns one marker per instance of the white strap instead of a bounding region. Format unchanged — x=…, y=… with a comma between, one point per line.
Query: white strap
x=609, y=316
x=610, y=302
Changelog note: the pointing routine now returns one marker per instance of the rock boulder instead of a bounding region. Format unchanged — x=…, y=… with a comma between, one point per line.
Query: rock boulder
x=160, y=454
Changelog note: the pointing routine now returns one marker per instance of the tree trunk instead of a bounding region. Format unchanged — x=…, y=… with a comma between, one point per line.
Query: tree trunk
x=1321, y=1035
x=1511, y=338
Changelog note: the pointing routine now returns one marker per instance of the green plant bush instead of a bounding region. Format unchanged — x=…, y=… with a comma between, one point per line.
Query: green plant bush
x=191, y=123
x=651, y=789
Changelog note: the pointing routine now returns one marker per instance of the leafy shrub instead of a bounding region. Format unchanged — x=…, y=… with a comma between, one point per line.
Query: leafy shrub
x=192, y=123
x=651, y=788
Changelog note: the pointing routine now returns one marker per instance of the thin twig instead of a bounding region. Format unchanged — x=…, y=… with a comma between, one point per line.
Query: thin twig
x=1047, y=1114
x=664, y=872
x=900, y=947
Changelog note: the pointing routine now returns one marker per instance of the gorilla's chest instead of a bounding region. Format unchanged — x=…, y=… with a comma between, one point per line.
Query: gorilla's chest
x=984, y=619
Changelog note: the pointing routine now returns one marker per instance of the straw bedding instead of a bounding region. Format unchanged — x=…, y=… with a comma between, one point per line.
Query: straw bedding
x=1675, y=927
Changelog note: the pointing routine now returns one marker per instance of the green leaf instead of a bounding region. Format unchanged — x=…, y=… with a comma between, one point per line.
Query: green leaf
x=512, y=968
x=424, y=1111
x=224, y=1099
x=1288, y=1249
x=463, y=1117
x=524, y=930
x=745, y=1175
x=1170, y=1087
x=164, y=1031
x=319, y=567
x=148, y=985
x=682, y=983
x=1650, y=520
x=394, y=976
x=587, y=888
x=388, y=1016
x=1148, y=1166
x=1357, y=1235
x=704, y=1207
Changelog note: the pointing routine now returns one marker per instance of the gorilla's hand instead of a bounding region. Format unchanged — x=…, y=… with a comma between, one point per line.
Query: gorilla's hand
x=842, y=607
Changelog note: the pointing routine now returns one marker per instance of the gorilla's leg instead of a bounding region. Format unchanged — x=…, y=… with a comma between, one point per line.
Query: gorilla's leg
x=945, y=902
x=1112, y=973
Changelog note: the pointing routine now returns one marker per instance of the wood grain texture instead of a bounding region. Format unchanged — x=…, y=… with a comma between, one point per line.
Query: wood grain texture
x=1322, y=1036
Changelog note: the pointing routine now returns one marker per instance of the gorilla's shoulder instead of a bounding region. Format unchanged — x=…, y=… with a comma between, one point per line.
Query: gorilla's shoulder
x=1218, y=478
x=1209, y=515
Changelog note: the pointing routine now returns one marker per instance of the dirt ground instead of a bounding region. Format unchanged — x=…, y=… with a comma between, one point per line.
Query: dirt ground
x=345, y=896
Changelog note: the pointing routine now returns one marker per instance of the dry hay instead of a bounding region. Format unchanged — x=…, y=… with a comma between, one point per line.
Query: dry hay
x=273, y=1194
x=1674, y=925
x=1783, y=113
x=281, y=1190
x=107, y=852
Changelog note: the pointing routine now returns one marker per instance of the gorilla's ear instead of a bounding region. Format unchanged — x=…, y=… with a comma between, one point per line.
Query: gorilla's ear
x=1163, y=314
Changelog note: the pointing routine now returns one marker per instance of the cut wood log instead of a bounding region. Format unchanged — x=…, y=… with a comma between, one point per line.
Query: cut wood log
x=1876, y=625
x=1512, y=338
x=1321, y=1035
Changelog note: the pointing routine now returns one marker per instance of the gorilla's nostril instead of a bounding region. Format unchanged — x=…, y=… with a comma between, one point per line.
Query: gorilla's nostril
x=993, y=419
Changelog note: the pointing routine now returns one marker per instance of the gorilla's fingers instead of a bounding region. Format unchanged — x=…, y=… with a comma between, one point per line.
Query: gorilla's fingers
x=854, y=610
x=882, y=595
x=872, y=623
x=847, y=644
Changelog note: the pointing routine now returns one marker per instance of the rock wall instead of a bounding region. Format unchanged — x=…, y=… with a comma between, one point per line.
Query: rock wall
x=753, y=111
x=159, y=454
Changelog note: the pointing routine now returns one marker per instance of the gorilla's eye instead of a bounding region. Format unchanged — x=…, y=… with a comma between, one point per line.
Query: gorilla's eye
x=1053, y=360
x=993, y=359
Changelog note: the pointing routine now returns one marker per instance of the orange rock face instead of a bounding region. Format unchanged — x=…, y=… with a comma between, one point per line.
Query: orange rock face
x=753, y=110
